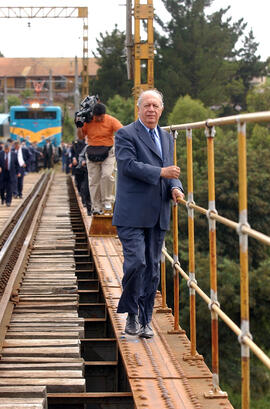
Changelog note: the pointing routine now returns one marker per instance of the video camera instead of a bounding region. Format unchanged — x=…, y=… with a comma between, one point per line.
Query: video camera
x=85, y=114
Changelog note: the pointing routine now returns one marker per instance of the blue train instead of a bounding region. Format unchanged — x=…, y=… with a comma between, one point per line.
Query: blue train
x=36, y=123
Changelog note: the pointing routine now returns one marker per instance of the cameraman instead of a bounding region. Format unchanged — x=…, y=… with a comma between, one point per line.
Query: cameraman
x=79, y=172
x=100, y=157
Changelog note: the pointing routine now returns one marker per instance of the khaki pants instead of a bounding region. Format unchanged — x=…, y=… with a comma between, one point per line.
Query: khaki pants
x=101, y=181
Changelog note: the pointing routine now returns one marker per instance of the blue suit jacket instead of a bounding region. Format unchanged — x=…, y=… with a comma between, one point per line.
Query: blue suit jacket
x=142, y=196
x=14, y=168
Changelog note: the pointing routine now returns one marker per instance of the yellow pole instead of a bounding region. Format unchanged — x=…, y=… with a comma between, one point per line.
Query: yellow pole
x=150, y=41
x=175, y=250
x=210, y=133
x=192, y=293
x=163, y=279
x=143, y=50
x=164, y=308
x=244, y=279
x=137, y=60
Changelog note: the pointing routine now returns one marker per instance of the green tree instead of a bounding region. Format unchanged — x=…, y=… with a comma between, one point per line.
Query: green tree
x=199, y=55
x=196, y=55
x=26, y=93
x=1, y=55
x=121, y=108
x=112, y=74
x=249, y=65
x=258, y=99
x=68, y=127
x=188, y=110
x=14, y=100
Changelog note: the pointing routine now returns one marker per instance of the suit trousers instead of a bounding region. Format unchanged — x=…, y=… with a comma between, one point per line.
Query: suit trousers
x=6, y=188
x=20, y=185
x=142, y=251
x=101, y=181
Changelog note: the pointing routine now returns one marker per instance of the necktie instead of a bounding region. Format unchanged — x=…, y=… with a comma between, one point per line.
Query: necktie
x=156, y=140
x=6, y=162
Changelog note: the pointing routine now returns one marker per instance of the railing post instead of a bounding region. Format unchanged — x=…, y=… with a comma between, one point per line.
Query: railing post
x=210, y=134
x=244, y=279
x=164, y=308
x=176, y=327
x=163, y=279
x=191, y=249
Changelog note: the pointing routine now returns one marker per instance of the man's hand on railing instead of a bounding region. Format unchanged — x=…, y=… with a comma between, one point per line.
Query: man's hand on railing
x=177, y=194
x=170, y=172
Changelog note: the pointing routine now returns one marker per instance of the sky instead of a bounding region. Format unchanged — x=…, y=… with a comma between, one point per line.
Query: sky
x=63, y=37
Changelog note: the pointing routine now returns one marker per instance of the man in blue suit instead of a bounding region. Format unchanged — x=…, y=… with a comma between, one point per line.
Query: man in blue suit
x=147, y=180
x=9, y=171
x=23, y=157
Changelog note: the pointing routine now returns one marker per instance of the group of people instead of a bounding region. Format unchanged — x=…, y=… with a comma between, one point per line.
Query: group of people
x=147, y=181
x=16, y=159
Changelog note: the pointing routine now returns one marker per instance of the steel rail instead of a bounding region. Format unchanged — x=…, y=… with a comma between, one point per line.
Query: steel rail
x=175, y=252
x=12, y=220
x=18, y=226
x=8, y=298
x=229, y=120
x=227, y=222
x=257, y=351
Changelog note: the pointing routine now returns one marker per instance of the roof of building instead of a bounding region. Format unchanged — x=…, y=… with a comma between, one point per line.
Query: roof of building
x=40, y=67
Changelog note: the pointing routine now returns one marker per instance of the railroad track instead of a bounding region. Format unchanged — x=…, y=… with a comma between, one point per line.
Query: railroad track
x=62, y=342
x=47, y=319
x=9, y=216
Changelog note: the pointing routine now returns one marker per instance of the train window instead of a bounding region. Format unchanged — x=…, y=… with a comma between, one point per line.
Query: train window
x=35, y=115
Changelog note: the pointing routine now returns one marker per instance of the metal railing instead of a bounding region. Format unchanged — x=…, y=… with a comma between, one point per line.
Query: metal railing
x=243, y=230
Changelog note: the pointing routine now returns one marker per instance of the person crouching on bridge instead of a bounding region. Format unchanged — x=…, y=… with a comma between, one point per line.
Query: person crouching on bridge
x=100, y=157
x=146, y=181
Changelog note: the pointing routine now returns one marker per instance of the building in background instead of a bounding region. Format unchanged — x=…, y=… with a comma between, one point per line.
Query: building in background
x=22, y=73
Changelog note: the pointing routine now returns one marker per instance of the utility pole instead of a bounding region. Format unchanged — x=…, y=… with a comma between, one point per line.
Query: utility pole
x=142, y=51
x=50, y=88
x=5, y=96
x=76, y=92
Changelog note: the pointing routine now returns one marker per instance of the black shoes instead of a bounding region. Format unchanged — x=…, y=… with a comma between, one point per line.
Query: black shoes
x=146, y=331
x=133, y=327
x=132, y=324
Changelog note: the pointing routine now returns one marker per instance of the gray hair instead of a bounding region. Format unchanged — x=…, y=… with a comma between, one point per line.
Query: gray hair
x=153, y=92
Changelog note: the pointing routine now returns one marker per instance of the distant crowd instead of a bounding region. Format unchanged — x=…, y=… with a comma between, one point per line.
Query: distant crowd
x=18, y=158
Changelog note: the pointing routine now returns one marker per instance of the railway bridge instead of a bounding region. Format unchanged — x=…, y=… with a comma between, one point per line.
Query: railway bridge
x=62, y=343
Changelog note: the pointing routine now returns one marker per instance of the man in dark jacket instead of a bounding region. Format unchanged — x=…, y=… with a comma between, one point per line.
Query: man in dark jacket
x=48, y=154
x=147, y=180
x=9, y=171
x=23, y=157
